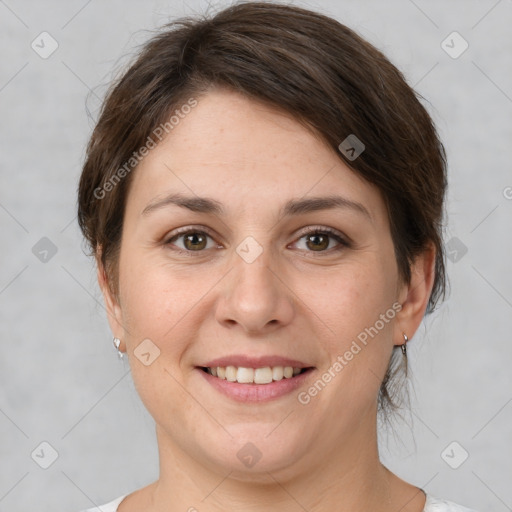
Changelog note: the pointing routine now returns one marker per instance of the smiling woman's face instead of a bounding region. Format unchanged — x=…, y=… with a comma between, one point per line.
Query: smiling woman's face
x=248, y=280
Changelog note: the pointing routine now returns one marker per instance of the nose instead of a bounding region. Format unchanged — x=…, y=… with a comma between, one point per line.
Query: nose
x=255, y=297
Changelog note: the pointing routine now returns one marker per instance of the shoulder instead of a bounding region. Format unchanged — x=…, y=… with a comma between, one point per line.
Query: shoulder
x=434, y=504
x=109, y=507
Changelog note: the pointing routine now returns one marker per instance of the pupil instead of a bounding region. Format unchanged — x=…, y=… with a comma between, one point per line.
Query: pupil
x=319, y=241
x=195, y=241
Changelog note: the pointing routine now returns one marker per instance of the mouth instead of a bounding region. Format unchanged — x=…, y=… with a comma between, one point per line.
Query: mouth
x=254, y=376
x=264, y=380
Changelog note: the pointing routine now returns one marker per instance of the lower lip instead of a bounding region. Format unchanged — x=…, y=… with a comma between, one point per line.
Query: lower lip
x=256, y=392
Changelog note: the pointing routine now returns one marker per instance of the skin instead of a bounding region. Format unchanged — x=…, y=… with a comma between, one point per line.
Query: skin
x=299, y=299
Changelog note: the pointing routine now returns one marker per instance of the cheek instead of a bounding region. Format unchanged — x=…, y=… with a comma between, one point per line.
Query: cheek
x=357, y=306
x=349, y=299
x=165, y=304
x=155, y=306
x=153, y=294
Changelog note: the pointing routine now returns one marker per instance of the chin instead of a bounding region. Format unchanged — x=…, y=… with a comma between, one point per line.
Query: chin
x=258, y=449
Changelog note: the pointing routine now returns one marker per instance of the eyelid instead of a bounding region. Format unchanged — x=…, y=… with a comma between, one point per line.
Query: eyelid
x=321, y=229
x=342, y=239
x=188, y=229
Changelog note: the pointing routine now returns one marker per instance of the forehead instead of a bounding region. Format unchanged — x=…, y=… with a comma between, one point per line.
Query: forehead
x=244, y=154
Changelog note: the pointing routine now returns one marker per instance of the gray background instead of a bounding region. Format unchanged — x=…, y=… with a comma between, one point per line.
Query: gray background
x=61, y=381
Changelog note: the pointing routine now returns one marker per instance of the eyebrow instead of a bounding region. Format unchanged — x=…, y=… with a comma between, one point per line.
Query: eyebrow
x=292, y=207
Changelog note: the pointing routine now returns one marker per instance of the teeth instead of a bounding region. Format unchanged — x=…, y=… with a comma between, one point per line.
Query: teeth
x=244, y=375
x=254, y=375
x=231, y=373
x=277, y=372
x=262, y=375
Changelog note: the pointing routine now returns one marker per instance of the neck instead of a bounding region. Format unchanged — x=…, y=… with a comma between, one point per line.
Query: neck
x=349, y=479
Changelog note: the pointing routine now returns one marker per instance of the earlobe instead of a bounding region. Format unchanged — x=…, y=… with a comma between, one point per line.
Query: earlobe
x=415, y=295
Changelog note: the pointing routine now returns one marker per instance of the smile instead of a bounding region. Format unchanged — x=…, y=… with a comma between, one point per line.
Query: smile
x=255, y=384
x=264, y=375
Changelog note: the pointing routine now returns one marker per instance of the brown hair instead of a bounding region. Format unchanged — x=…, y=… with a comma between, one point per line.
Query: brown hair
x=298, y=61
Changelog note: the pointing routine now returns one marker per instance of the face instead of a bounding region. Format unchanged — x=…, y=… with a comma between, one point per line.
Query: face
x=246, y=236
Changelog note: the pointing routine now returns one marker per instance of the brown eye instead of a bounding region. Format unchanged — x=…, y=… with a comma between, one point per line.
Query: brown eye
x=191, y=241
x=317, y=241
x=195, y=241
x=321, y=240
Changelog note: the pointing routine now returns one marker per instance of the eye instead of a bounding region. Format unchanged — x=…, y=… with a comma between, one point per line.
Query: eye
x=316, y=239
x=321, y=240
x=192, y=240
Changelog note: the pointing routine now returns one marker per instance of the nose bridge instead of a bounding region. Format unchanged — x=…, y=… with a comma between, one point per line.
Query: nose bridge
x=252, y=272
x=254, y=297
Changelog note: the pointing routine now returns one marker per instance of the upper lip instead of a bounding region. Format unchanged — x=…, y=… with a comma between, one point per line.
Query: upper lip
x=255, y=362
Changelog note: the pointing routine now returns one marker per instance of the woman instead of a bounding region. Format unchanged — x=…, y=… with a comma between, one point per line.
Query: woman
x=263, y=194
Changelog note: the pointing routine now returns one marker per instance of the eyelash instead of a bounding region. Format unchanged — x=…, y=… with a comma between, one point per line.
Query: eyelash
x=343, y=243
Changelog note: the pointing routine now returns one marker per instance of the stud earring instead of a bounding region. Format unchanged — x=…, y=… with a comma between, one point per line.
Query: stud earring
x=117, y=344
x=404, y=346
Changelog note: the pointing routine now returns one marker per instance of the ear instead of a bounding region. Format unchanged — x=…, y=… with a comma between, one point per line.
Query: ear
x=414, y=296
x=114, y=312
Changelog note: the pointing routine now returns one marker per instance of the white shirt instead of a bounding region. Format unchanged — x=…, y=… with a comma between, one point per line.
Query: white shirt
x=432, y=504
